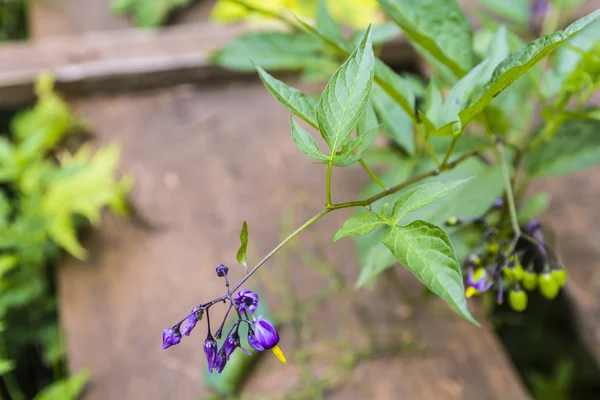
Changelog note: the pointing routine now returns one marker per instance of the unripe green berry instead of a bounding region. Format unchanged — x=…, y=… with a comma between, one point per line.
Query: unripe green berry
x=493, y=248
x=529, y=280
x=480, y=273
x=452, y=221
x=548, y=287
x=517, y=300
x=559, y=276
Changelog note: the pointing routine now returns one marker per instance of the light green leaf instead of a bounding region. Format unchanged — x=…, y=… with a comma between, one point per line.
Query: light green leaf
x=7, y=262
x=346, y=95
x=438, y=26
x=380, y=34
x=426, y=251
x=417, y=197
x=359, y=224
x=575, y=146
x=65, y=389
x=460, y=94
x=6, y=366
x=241, y=254
x=534, y=207
x=396, y=124
x=497, y=51
x=433, y=104
x=306, y=142
x=519, y=62
x=292, y=99
x=274, y=50
x=515, y=10
x=326, y=23
x=147, y=14
x=366, y=134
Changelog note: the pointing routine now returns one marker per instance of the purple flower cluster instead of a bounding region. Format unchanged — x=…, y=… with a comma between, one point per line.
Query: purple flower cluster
x=262, y=335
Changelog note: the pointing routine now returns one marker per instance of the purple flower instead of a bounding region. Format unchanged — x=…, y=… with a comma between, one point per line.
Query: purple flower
x=245, y=300
x=499, y=203
x=221, y=360
x=171, y=336
x=210, y=350
x=265, y=334
x=253, y=342
x=232, y=342
x=190, y=322
x=222, y=270
x=478, y=282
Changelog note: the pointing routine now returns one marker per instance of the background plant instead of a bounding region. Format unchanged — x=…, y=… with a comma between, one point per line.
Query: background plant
x=50, y=188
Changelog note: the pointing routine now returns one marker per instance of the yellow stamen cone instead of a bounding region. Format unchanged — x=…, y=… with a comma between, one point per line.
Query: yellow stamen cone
x=470, y=292
x=279, y=354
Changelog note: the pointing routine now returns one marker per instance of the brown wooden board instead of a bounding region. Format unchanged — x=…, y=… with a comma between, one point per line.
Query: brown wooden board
x=204, y=160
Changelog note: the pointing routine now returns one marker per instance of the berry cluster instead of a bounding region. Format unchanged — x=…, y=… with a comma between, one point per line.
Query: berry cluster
x=515, y=262
x=261, y=333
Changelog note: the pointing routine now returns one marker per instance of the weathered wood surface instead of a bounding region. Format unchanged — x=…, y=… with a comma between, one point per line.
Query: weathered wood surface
x=204, y=160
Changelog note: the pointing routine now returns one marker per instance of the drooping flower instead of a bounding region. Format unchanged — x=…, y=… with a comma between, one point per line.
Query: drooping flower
x=222, y=270
x=221, y=360
x=253, y=342
x=232, y=342
x=171, y=337
x=190, y=321
x=478, y=282
x=210, y=350
x=246, y=300
x=265, y=333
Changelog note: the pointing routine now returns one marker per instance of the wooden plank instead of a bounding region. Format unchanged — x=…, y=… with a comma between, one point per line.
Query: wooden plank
x=204, y=160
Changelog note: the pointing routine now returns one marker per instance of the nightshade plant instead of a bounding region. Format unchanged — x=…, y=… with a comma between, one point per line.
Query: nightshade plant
x=463, y=152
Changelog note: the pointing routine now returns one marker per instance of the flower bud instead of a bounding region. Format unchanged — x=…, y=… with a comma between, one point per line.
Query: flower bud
x=190, y=321
x=548, y=287
x=498, y=203
x=493, y=248
x=171, y=337
x=517, y=299
x=222, y=270
x=265, y=333
x=529, y=280
x=221, y=360
x=210, y=350
x=559, y=276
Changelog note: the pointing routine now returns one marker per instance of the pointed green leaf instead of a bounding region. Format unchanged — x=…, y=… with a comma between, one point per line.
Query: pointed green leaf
x=380, y=34
x=241, y=254
x=514, y=10
x=419, y=196
x=534, y=207
x=396, y=124
x=65, y=389
x=326, y=23
x=519, y=62
x=346, y=95
x=575, y=146
x=438, y=26
x=359, y=224
x=460, y=94
x=306, y=142
x=366, y=134
x=426, y=250
x=292, y=99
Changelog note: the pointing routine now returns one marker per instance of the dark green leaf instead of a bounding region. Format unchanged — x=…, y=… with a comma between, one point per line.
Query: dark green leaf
x=241, y=254
x=274, y=50
x=519, y=62
x=306, y=142
x=575, y=146
x=426, y=250
x=292, y=99
x=346, y=95
x=359, y=224
x=65, y=389
x=396, y=124
x=438, y=26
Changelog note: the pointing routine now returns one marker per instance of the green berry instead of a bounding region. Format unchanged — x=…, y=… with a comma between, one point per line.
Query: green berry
x=529, y=280
x=517, y=300
x=559, y=276
x=480, y=273
x=548, y=286
x=452, y=221
x=518, y=271
x=493, y=248
x=475, y=259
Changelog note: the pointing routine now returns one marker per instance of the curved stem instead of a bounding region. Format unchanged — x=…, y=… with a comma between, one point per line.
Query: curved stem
x=372, y=174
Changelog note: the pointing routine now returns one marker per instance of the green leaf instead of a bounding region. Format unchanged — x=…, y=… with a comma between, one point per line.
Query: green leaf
x=438, y=26
x=6, y=366
x=241, y=254
x=65, y=389
x=274, y=50
x=519, y=62
x=147, y=14
x=433, y=104
x=292, y=99
x=366, y=134
x=346, y=95
x=306, y=142
x=326, y=23
x=417, y=197
x=7, y=263
x=426, y=251
x=514, y=10
x=396, y=124
x=380, y=34
x=460, y=95
x=359, y=224
x=575, y=146
x=534, y=207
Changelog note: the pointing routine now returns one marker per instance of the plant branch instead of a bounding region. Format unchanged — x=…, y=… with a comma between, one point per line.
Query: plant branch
x=510, y=199
x=328, y=204
x=372, y=174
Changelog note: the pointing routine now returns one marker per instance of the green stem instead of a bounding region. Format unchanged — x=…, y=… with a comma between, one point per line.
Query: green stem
x=372, y=174
x=450, y=149
x=328, y=184
x=510, y=199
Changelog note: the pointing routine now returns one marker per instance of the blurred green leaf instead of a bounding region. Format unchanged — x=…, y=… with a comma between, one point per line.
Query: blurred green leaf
x=147, y=14
x=575, y=146
x=396, y=124
x=534, y=207
x=346, y=95
x=380, y=34
x=6, y=366
x=516, y=11
x=438, y=26
x=326, y=23
x=65, y=389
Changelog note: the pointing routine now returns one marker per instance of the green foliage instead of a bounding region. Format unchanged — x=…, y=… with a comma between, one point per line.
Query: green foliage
x=241, y=254
x=47, y=194
x=147, y=13
x=65, y=389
